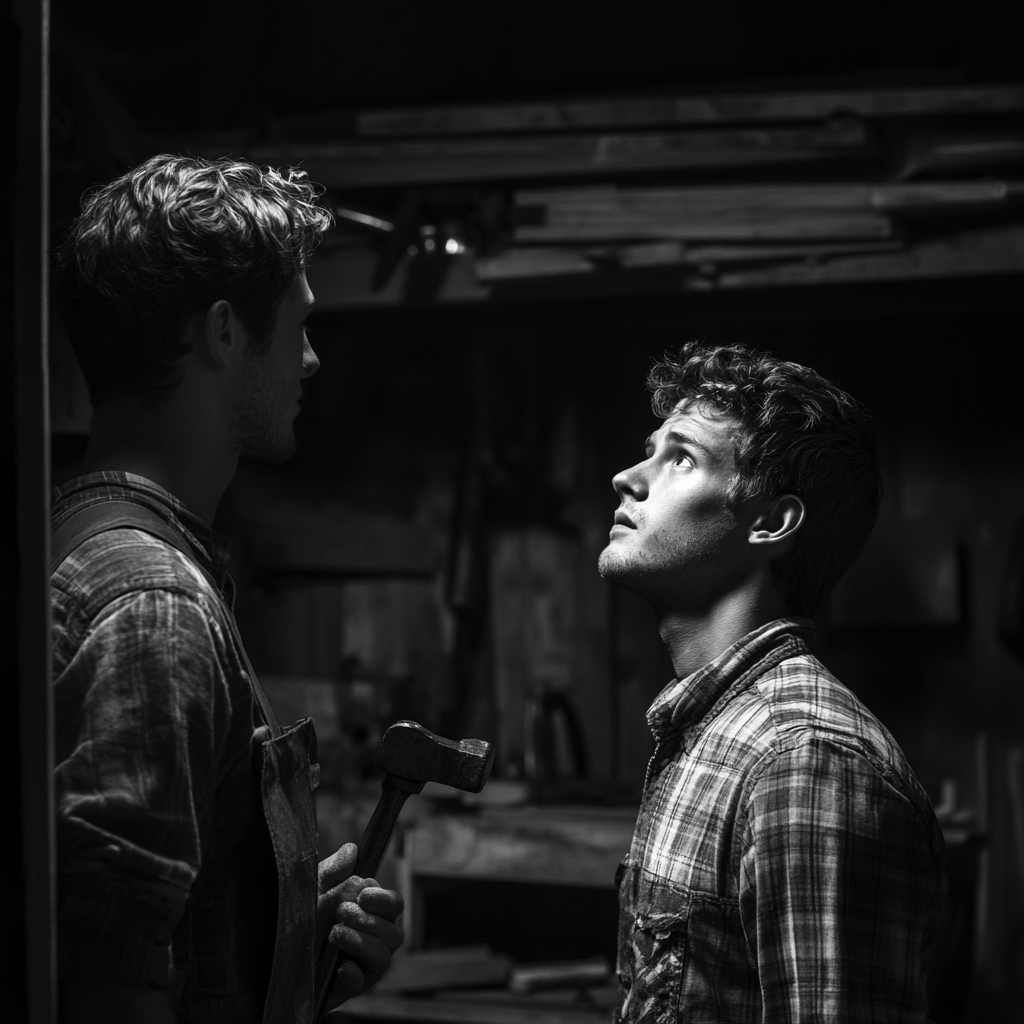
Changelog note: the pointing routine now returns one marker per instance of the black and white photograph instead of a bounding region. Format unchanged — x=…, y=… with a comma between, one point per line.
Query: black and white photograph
x=518, y=512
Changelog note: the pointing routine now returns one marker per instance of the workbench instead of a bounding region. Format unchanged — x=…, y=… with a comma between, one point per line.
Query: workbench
x=561, y=851
x=562, y=845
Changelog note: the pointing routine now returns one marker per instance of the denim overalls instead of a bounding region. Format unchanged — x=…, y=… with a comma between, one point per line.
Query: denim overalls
x=246, y=939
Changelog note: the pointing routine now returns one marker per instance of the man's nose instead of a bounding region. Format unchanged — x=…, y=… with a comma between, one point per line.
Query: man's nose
x=310, y=363
x=631, y=482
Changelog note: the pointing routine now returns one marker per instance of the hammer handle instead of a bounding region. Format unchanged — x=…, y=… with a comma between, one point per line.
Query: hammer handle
x=371, y=851
x=377, y=833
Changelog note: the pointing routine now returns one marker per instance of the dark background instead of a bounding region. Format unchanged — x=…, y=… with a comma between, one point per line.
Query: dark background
x=401, y=390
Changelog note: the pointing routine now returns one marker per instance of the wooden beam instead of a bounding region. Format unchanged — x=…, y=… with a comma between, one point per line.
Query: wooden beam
x=966, y=254
x=740, y=108
x=356, y=164
x=552, y=261
x=930, y=195
x=32, y=516
x=721, y=225
x=745, y=212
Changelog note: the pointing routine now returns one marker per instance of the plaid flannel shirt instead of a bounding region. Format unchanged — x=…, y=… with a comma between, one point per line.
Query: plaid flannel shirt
x=154, y=720
x=786, y=863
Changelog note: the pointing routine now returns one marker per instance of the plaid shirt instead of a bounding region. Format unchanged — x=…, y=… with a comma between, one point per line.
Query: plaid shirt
x=786, y=864
x=154, y=721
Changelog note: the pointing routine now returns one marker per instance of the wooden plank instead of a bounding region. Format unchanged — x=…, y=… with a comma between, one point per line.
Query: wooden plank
x=970, y=253
x=736, y=108
x=450, y=1011
x=980, y=151
x=714, y=254
x=563, y=203
x=348, y=165
x=726, y=224
x=936, y=195
x=551, y=261
x=744, y=212
x=527, y=978
x=455, y=967
x=533, y=262
x=525, y=845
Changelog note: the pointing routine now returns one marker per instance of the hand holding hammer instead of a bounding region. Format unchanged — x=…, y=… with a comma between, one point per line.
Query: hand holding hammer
x=411, y=756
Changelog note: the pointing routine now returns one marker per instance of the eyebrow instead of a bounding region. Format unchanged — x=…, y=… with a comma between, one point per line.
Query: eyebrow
x=678, y=437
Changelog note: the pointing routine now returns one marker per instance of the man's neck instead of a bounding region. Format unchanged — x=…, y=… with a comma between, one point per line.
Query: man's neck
x=167, y=445
x=695, y=638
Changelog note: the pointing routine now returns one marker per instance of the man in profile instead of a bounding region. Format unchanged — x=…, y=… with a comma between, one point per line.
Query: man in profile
x=188, y=883
x=786, y=863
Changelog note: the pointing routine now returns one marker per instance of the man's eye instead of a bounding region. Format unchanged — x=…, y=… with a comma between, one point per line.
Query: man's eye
x=681, y=457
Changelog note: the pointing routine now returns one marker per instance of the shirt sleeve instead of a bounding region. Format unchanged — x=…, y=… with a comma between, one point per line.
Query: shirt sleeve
x=839, y=890
x=143, y=717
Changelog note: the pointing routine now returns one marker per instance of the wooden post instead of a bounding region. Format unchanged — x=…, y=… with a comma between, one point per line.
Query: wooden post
x=31, y=262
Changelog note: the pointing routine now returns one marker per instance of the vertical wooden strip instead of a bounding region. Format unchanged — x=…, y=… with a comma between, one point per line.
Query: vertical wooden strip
x=33, y=507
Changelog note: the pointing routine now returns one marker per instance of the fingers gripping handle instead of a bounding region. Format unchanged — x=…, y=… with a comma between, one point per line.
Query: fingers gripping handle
x=371, y=851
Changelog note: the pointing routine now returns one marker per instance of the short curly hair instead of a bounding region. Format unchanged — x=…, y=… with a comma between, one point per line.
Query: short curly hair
x=167, y=240
x=797, y=434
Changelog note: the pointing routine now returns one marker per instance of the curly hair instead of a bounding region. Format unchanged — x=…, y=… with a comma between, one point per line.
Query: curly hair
x=797, y=434
x=167, y=240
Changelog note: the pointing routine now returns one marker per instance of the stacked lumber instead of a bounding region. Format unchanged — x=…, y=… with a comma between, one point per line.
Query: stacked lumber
x=704, y=226
x=746, y=212
x=724, y=108
x=508, y=158
x=735, y=190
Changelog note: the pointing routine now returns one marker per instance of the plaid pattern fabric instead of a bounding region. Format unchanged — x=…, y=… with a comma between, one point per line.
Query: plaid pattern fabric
x=153, y=730
x=786, y=863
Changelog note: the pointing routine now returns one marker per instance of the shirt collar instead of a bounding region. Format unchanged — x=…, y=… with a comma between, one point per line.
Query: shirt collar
x=685, y=705
x=211, y=548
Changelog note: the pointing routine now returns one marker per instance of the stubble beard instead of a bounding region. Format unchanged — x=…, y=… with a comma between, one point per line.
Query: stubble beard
x=680, y=569
x=623, y=559
x=259, y=423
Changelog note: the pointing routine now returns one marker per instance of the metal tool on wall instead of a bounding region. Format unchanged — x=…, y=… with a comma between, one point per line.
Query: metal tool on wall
x=410, y=756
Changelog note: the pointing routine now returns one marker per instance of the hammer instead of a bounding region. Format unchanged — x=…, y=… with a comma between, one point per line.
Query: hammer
x=411, y=756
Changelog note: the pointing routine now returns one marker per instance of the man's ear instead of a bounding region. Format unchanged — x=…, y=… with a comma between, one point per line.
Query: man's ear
x=220, y=333
x=778, y=523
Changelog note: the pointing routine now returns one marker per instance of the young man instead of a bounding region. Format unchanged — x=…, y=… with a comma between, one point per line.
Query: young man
x=786, y=864
x=188, y=881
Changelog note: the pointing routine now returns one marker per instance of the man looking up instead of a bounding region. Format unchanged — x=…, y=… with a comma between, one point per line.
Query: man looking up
x=786, y=863
x=188, y=881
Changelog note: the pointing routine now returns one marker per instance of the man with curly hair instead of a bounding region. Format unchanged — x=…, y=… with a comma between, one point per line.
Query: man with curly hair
x=786, y=863
x=188, y=883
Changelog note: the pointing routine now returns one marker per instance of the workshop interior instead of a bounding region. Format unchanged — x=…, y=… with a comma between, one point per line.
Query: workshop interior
x=532, y=204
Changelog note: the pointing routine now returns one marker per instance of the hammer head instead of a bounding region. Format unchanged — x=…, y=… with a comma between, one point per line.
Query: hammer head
x=410, y=752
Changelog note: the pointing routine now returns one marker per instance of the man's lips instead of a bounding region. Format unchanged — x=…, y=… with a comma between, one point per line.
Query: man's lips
x=621, y=519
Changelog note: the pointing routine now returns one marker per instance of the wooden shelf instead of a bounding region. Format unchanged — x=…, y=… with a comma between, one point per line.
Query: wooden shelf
x=555, y=845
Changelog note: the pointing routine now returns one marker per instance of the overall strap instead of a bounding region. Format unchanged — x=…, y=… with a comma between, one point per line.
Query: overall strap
x=117, y=515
